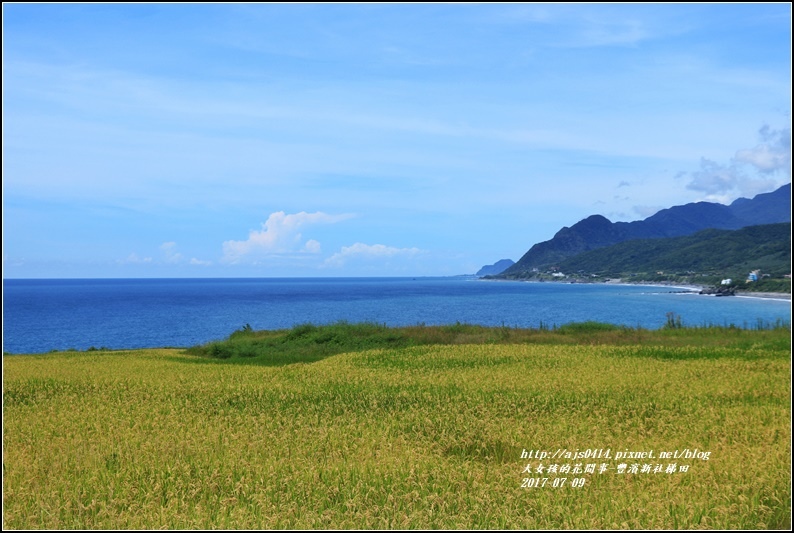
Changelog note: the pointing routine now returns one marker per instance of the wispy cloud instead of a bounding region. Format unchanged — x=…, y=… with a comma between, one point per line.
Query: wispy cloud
x=280, y=234
x=714, y=178
x=726, y=182
x=369, y=251
x=611, y=33
x=170, y=255
x=581, y=27
x=773, y=154
x=134, y=259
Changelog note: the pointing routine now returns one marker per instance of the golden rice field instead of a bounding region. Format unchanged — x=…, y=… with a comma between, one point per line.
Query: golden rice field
x=413, y=437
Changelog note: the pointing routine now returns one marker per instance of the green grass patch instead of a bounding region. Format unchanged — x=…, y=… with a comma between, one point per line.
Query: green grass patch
x=308, y=343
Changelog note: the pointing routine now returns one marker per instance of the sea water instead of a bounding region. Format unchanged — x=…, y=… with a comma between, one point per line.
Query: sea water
x=45, y=315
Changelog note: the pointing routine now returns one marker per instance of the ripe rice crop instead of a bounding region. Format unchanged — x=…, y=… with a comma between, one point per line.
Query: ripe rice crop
x=411, y=436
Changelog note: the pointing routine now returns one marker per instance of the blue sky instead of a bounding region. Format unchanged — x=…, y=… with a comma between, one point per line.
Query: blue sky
x=209, y=140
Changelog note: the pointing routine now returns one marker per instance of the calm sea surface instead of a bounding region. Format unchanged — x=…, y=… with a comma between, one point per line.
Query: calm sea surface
x=44, y=315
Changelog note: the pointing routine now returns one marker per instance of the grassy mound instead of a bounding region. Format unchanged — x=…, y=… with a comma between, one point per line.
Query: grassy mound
x=307, y=343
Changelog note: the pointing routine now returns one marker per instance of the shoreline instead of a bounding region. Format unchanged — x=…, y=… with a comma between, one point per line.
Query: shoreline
x=669, y=285
x=739, y=293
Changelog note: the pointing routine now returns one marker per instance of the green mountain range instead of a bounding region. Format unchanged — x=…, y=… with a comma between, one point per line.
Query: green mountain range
x=596, y=231
x=706, y=257
x=712, y=251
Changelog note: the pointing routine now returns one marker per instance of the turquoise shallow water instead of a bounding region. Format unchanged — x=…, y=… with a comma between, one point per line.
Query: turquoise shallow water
x=44, y=315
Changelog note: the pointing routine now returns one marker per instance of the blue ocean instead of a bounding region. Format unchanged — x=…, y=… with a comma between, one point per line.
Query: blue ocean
x=44, y=315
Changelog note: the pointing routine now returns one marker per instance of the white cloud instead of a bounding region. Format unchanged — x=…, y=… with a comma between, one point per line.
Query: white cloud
x=280, y=234
x=714, y=179
x=312, y=247
x=133, y=258
x=772, y=155
x=170, y=255
x=613, y=32
x=199, y=262
x=724, y=183
x=369, y=251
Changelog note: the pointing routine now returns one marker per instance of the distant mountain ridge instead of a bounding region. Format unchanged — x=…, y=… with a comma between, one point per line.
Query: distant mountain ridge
x=597, y=231
x=495, y=269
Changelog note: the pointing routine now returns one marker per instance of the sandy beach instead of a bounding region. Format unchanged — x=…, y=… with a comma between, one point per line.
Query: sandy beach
x=739, y=293
x=769, y=295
